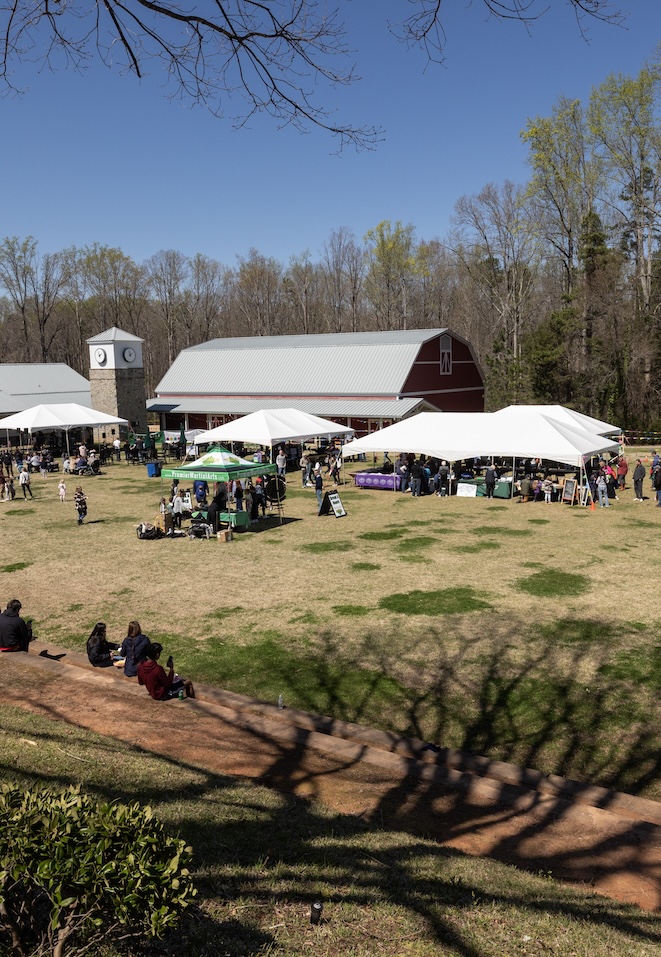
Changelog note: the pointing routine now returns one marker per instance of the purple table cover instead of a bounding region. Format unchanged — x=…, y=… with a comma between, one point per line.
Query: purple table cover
x=377, y=480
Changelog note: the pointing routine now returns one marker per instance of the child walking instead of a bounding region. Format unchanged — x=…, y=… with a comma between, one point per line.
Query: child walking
x=80, y=502
x=62, y=489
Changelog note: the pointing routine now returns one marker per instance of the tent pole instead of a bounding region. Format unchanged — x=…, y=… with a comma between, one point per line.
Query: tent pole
x=513, y=475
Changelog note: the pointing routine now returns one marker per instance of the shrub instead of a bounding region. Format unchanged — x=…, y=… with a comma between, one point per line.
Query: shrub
x=75, y=872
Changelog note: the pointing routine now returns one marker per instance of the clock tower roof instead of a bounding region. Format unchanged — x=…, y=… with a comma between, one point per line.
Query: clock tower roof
x=113, y=335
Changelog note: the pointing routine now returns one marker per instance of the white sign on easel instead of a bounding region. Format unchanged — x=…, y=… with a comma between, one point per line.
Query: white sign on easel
x=465, y=490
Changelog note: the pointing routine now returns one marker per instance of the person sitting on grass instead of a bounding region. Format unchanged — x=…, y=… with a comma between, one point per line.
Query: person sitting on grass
x=133, y=650
x=161, y=686
x=15, y=634
x=99, y=648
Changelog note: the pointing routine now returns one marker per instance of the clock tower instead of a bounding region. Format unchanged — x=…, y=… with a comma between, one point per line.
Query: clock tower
x=117, y=376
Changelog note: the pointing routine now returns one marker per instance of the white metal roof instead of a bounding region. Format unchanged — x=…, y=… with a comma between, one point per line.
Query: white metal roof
x=113, y=335
x=351, y=364
x=25, y=384
x=339, y=408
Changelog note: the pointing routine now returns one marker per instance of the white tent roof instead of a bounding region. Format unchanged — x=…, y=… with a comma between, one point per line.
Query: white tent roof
x=63, y=416
x=461, y=435
x=445, y=435
x=270, y=426
x=576, y=420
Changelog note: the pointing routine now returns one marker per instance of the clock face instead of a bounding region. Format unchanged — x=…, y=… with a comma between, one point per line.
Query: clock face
x=100, y=355
x=129, y=354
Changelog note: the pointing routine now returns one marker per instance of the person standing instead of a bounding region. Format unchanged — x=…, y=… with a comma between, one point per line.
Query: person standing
x=490, y=479
x=62, y=490
x=622, y=472
x=318, y=485
x=638, y=476
x=80, y=503
x=602, y=489
x=304, y=466
x=15, y=634
x=177, y=508
x=281, y=462
x=24, y=482
x=8, y=462
x=416, y=479
x=656, y=484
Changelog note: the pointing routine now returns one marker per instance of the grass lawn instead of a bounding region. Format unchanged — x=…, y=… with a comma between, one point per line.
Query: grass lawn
x=525, y=632
x=261, y=858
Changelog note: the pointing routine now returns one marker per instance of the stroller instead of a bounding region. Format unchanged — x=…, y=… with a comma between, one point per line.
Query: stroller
x=201, y=524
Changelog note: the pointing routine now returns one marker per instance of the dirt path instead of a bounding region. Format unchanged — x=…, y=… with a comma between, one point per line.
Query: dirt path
x=610, y=842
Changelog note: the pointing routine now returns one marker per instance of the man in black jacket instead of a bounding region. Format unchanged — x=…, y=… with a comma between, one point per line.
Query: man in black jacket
x=638, y=476
x=15, y=634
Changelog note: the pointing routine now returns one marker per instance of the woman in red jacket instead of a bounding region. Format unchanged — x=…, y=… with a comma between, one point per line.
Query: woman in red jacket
x=161, y=685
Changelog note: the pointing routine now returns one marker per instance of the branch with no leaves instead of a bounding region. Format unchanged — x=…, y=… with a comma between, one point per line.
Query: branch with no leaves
x=424, y=27
x=270, y=55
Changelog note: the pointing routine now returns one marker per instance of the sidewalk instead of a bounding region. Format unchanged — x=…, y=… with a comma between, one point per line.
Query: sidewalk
x=607, y=840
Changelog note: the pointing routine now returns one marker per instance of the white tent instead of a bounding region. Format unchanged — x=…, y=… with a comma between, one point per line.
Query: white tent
x=60, y=417
x=570, y=417
x=444, y=435
x=271, y=426
x=461, y=435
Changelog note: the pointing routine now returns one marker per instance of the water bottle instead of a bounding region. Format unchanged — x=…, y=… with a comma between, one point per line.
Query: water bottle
x=281, y=702
x=181, y=694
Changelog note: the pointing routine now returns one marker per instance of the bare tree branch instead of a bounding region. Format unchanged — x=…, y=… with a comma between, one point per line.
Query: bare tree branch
x=273, y=56
x=425, y=29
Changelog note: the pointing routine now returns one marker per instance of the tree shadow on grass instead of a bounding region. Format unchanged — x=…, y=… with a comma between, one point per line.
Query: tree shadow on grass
x=256, y=856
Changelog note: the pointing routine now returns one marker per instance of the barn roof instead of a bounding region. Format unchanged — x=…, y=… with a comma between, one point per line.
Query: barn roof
x=24, y=384
x=354, y=364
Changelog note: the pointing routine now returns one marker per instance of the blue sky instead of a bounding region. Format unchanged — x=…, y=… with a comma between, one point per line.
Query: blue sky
x=105, y=158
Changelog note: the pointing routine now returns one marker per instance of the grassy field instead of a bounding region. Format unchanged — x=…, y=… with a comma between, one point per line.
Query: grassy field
x=525, y=632
x=261, y=858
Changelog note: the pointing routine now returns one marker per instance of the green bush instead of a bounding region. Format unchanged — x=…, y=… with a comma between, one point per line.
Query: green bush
x=75, y=872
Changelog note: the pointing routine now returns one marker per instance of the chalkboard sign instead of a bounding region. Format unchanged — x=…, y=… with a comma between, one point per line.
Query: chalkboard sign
x=332, y=503
x=569, y=491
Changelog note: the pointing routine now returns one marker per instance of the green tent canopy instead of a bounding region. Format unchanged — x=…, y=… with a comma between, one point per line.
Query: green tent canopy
x=218, y=465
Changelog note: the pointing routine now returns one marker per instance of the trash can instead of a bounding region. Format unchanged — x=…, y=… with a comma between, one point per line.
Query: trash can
x=153, y=469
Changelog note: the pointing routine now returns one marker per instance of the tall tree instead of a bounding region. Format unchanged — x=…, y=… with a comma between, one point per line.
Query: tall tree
x=624, y=117
x=343, y=266
x=258, y=295
x=391, y=265
x=564, y=181
x=498, y=248
x=168, y=272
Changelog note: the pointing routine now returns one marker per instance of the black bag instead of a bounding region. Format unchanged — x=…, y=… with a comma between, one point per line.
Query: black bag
x=147, y=531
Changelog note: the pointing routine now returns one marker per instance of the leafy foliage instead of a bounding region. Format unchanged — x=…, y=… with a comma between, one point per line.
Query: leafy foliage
x=74, y=872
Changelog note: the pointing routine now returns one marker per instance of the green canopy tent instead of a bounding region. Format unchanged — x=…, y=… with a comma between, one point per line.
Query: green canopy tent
x=219, y=465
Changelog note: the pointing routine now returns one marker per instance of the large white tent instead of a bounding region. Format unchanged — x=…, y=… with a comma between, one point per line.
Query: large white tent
x=444, y=435
x=60, y=417
x=461, y=435
x=271, y=426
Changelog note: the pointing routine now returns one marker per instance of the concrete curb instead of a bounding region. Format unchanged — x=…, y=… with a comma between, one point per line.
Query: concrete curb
x=494, y=780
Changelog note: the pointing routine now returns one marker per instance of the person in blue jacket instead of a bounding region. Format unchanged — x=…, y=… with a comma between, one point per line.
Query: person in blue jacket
x=133, y=649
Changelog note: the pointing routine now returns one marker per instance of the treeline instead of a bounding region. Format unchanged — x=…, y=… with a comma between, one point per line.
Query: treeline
x=556, y=283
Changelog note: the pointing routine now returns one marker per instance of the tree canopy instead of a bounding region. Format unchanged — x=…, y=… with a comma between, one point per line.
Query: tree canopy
x=279, y=57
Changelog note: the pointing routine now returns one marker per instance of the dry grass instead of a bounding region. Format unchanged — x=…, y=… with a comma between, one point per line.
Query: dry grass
x=293, y=584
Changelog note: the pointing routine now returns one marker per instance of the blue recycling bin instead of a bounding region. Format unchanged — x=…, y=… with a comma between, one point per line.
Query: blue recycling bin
x=153, y=469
